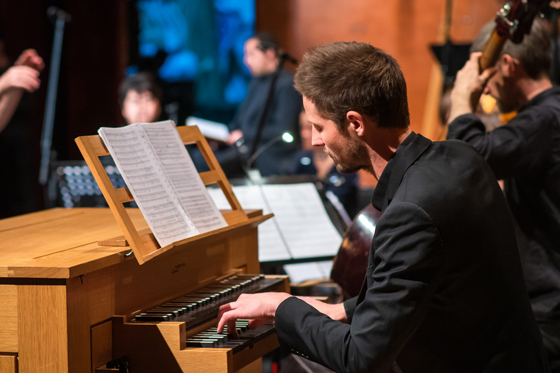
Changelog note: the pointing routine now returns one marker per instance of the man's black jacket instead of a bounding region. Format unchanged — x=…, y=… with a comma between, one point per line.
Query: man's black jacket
x=444, y=290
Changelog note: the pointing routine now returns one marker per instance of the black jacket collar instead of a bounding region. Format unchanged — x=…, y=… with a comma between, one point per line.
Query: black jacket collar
x=538, y=99
x=407, y=153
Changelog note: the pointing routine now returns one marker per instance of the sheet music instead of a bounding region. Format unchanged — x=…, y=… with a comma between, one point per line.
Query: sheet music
x=306, y=226
x=214, y=130
x=150, y=179
x=181, y=172
x=271, y=243
x=300, y=272
x=300, y=228
x=139, y=170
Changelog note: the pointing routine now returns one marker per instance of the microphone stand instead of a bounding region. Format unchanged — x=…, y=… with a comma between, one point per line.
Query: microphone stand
x=60, y=17
x=261, y=150
x=254, y=175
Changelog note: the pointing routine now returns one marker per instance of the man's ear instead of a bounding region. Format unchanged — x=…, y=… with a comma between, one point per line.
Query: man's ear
x=356, y=122
x=509, y=65
x=270, y=54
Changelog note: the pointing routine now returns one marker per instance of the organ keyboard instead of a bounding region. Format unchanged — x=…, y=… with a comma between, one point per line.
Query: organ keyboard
x=189, y=322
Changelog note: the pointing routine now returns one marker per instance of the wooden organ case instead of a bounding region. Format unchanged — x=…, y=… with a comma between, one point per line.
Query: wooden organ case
x=73, y=297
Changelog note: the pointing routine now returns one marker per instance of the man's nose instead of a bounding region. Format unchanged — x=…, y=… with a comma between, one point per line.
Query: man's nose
x=316, y=139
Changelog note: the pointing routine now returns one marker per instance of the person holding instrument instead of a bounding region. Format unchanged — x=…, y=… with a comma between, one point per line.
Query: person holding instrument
x=444, y=290
x=22, y=77
x=525, y=153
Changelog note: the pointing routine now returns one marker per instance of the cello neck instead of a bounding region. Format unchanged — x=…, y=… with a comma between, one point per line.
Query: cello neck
x=491, y=52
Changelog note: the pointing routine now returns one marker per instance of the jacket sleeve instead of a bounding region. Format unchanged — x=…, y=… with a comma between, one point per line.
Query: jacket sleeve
x=506, y=148
x=350, y=307
x=407, y=257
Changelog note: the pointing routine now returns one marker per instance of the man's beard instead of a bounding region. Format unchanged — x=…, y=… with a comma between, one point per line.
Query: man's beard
x=353, y=159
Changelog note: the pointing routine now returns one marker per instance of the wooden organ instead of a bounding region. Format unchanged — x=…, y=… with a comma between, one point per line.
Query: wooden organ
x=73, y=297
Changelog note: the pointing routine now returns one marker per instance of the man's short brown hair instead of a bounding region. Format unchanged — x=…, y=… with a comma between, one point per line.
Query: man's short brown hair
x=533, y=53
x=343, y=76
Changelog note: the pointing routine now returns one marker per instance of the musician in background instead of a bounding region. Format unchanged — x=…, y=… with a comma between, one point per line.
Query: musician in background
x=262, y=58
x=23, y=76
x=526, y=154
x=140, y=99
x=444, y=289
x=18, y=182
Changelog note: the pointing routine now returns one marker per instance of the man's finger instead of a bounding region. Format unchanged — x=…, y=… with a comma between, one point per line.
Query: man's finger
x=223, y=309
x=475, y=56
x=232, y=328
x=224, y=318
x=487, y=74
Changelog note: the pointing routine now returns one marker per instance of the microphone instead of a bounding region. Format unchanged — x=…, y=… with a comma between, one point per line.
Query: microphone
x=287, y=57
x=54, y=13
x=285, y=137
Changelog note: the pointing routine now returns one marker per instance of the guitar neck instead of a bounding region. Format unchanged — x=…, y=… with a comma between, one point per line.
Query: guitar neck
x=492, y=51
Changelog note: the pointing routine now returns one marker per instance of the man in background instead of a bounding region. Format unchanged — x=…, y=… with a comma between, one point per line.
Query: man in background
x=262, y=58
x=525, y=153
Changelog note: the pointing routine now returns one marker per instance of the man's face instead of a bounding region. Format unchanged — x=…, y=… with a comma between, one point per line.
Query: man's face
x=501, y=87
x=344, y=148
x=258, y=62
x=140, y=107
x=306, y=130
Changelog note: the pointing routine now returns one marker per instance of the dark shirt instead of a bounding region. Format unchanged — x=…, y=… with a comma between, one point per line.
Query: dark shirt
x=344, y=186
x=444, y=290
x=282, y=116
x=525, y=153
x=19, y=188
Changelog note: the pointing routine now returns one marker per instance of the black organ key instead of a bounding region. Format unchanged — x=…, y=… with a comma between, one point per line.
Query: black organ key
x=152, y=317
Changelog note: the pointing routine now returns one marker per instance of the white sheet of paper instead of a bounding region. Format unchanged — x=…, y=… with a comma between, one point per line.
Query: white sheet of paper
x=301, y=272
x=209, y=128
x=305, y=224
x=326, y=267
x=271, y=244
x=301, y=227
x=183, y=177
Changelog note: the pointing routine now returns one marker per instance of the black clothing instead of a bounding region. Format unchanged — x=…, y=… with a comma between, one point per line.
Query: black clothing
x=444, y=290
x=526, y=154
x=282, y=117
x=344, y=186
x=19, y=169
